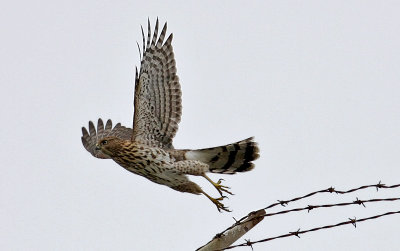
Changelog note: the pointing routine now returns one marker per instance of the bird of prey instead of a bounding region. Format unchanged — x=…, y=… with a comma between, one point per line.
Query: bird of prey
x=147, y=148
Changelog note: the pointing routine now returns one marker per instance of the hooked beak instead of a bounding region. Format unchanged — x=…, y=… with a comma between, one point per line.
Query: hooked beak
x=98, y=147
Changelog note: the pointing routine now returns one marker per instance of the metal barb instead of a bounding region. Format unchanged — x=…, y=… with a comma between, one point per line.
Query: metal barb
x=309, y=208
x=283, y=203
x=353, y=221
x=379, y=185
x=359, y=202
x=296, y=233
x=249, y=243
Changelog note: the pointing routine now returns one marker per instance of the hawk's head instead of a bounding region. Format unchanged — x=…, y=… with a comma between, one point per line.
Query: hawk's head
x=109, y=145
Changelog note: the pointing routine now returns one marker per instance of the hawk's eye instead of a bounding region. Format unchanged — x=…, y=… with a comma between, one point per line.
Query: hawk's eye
x=104, y=142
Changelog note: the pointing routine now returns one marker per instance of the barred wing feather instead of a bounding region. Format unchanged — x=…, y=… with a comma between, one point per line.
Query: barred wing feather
x=157, y=92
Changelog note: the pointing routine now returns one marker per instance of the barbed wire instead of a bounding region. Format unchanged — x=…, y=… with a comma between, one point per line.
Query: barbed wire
x=298, y=232
x=308, y=208
x=311, y=207
x=331, y=189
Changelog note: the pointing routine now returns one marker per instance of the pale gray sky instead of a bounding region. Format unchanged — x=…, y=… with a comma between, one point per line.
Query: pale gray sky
x=316, y=82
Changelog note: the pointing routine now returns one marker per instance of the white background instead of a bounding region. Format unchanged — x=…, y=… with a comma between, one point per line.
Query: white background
x=316, y=82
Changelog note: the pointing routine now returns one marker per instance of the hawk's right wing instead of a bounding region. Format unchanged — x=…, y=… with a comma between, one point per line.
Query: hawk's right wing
x=157, y=101
x=89, y=141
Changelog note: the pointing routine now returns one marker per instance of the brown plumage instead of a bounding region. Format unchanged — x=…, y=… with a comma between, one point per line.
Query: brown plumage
x=147, y=149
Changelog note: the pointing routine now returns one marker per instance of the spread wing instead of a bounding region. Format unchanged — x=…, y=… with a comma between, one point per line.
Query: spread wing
x=157, y=101
x=89, y=140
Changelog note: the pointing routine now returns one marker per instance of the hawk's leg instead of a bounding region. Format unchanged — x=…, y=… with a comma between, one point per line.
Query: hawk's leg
x=220, y=188
x=191, y=187
x=198, y=168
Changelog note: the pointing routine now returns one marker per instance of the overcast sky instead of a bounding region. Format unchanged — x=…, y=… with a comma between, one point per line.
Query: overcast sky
x=316, y=82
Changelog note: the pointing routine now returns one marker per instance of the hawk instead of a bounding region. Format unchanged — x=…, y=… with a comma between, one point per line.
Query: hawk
x=147, y=148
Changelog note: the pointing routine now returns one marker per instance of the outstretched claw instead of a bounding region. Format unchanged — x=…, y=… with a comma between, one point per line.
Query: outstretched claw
x=217, y=202
x=220, y=188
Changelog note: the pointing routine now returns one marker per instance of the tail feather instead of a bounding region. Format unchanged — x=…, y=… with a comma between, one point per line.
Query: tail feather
x=228, y=159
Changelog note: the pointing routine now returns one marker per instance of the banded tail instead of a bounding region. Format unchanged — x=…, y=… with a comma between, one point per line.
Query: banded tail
x=228, y=159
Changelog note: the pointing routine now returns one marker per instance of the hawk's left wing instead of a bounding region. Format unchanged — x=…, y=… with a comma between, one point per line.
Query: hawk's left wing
x=157, y=92
x=90, y=139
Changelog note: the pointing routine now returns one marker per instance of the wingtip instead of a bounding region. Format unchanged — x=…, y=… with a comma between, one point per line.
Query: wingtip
x=84, y=132
x=109, y=124
x=169, y=39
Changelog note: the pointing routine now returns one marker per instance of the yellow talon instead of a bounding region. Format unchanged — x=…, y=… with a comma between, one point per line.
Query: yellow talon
x=220, y=188
x=217, y=202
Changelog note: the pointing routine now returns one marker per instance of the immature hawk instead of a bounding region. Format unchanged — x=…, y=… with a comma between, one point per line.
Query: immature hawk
x=147, y=149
